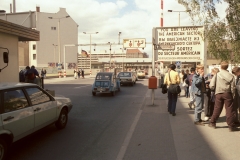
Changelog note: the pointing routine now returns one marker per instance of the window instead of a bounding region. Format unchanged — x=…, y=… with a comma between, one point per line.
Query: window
x=53, y=28
x=37, y=96
x=14, y=100
x=34, y=56
x=103, y=77
x=124, y=74
x=34, y=47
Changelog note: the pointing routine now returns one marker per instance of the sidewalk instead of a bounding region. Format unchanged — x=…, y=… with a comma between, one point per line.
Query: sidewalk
x=161, y=136
x=54, y=78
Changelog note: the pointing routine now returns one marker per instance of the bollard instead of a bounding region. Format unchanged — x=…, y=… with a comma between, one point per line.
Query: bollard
x=64, y=74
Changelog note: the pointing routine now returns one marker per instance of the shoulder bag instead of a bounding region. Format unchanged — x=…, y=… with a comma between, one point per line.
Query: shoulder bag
x=164, y=88
x=173, y=88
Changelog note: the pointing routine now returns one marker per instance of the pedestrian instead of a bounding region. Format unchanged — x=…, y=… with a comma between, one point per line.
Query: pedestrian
x=31, y=74
x=224, y=85
x=236, y=101
x=82, y=73
x=186, y=83
x=79, y=73
x=45, y=73
x=181, y=80
x=172, y=77
x=21, y=75
x=25, y=74
x=42, y=73
x=191, y=93
x=209, y=96
x=198, y=88
x=75, y=73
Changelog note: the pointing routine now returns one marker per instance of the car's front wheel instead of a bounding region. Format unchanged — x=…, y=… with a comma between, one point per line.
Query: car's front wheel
x=3, y=149
x=62, y=119
x=94, y=93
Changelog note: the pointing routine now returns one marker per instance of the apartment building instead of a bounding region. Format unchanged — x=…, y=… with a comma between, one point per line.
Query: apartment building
x=56, y=30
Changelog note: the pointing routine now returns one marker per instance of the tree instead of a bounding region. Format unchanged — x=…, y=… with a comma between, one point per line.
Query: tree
x=223, y=36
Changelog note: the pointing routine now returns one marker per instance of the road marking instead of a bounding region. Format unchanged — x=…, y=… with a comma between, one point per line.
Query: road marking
x=83, y=86
x=127, y=139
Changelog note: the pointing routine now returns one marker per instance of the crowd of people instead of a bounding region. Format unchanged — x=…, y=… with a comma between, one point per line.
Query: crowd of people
x=207, y=93
x=78, y=73
x=29, y=74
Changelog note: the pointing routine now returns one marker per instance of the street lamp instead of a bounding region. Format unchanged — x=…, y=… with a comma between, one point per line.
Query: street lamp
x=59, y=44
x=90, y=48
x=119, y=33
x=54, y=45
x=110, y=55
x=179, y=14
x=122, y=59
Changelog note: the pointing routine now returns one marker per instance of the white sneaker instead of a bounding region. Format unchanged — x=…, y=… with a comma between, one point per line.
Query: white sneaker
x=206, y=118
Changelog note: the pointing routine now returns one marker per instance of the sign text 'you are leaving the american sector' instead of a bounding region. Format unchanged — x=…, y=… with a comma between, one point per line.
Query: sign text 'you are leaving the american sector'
x=188, y=43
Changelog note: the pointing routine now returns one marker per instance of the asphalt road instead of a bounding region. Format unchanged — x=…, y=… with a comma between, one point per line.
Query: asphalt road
x=99, y=127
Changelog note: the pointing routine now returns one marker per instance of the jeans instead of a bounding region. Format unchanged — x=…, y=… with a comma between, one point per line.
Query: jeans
x=172, y=102
x=192, y=96
x=186, y=91
x=199, y=106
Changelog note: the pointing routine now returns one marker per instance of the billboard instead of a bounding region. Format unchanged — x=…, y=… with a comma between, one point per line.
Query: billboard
x=186, y=43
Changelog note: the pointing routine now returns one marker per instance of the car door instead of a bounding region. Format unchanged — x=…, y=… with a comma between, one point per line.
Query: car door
x=17, y=114
x=45, y=108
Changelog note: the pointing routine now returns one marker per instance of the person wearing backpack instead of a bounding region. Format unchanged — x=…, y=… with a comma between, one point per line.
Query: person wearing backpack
x=31, y=74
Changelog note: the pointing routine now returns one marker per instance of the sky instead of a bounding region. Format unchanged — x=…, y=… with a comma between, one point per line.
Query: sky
x=133, y=18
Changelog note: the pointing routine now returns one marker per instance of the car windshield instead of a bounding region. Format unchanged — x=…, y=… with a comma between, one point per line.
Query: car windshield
x=103, y=77
x=124, y=74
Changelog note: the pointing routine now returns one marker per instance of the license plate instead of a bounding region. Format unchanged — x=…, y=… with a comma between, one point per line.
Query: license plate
x=101, y=89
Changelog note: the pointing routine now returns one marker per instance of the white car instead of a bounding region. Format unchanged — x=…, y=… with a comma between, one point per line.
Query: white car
x=26, y=108
x=127, y=78
x=141, y=74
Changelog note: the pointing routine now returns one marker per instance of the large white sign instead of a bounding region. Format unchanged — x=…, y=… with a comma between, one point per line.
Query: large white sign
x=134, y=43
x=187, y=41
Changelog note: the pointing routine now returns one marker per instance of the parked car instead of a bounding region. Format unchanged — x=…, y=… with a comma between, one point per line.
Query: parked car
x=127, y=78
x=105, y=82
x=141, y=74
x=26, y=108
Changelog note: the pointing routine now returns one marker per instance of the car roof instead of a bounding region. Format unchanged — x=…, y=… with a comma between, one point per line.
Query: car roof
x=126, y=72
x=8, y=85
x=105, y=73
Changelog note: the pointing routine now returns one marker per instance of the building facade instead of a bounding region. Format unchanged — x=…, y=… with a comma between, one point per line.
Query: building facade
x=10, y=35
x=54, y=28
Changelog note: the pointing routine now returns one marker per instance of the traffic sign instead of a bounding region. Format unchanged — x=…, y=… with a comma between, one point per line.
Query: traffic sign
x=134, y=43
x=178, y=64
